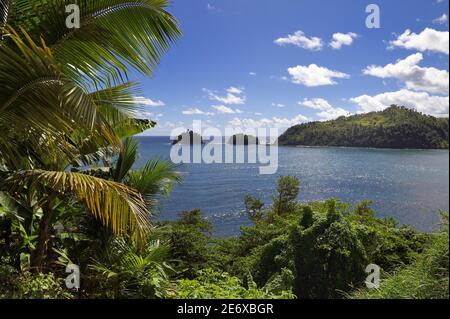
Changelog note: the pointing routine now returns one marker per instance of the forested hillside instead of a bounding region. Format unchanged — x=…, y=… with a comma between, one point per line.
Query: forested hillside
x=395, y=127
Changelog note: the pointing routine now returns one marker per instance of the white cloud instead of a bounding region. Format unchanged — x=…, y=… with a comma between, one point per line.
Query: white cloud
x=443, y=19
x=341, y=39
x=314, y=75
x=273, y=122
x=148, y=115
x=301, y=40
x=280, y=105
x=196, y=111
x=170, y=125
x=234, y=90
x=427, y=40
x=415, y=77
x=141, y=100
x=222, y=109
x=145, y=115
x=252, y=73
x=316, y=104
x=327, y=111
x=234, y=96
x=420, y=101
x=333, y=114
x=213, y=8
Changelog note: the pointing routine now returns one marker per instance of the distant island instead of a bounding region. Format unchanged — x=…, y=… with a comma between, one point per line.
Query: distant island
x=395, y=127
x=189, y=138
x=241, y=139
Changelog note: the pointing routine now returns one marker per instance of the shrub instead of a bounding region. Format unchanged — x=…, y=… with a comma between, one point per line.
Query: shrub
x=329, y=258
x=30, y=286
x=212, y=284
x=426, y=278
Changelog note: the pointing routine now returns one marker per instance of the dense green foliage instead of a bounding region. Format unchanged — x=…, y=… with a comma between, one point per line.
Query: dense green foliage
x=28, y=286
x=210, y=284
x=68, y=190
x=426, y=278
x=395, y=127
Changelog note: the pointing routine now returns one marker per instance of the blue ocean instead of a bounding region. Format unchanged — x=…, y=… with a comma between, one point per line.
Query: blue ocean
x=411, y=186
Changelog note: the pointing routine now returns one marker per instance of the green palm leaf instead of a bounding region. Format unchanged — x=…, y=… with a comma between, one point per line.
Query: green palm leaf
x=126, y=159
x=119, y=207
x=156, y=178
x=114, y=35
x=39, y=104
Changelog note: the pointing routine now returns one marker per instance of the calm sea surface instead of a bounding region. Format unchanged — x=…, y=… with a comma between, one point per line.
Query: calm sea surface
x=409, y=185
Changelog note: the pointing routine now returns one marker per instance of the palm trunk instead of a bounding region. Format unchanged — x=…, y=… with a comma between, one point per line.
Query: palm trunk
x=38, y=256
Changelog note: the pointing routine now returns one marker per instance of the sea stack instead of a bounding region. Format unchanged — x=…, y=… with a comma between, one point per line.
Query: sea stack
x=189, y=138
x=241, y=139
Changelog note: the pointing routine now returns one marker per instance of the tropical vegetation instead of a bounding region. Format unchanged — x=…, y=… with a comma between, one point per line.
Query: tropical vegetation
x=67, y=111
x=395, y=127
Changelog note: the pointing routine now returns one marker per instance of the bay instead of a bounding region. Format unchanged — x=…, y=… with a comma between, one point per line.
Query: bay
x=408, y=185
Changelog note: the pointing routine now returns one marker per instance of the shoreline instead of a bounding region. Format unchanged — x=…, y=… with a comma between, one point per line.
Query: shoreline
x=366, y=147
x=316, y=146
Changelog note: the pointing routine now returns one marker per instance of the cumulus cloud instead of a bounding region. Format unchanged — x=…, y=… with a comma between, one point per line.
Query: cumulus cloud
x=314, y=75
x=420, y=101
x=141, y=100
x=280, y=105
x=427, y=40
x=300, y=40
x=273, y=122
x=327, y=111
x=415, y=77
x=213, y=8
x=222, y=109
x=233, y=96
x=145, y=115
x=196, y=111
x=341, y=39
x=316, y=104
x=142, y=114
x=443, y=19
x=170, y=125
x=234, y=90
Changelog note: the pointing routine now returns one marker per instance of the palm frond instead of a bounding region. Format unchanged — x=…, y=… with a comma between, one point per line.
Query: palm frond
x=131, y=127
x=5, y=7
x=114, y=35
x=117, y=206
x=127, y=158
x=127, y=259
x=39, y=104
x=155, y=179
x=118, y=106
x=117, y=103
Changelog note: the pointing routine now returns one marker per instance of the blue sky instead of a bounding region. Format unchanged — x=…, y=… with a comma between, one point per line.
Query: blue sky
x=252, y=63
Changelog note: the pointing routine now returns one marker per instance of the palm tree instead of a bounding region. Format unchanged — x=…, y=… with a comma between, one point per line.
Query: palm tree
x=65, y=100
x=130, y=271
